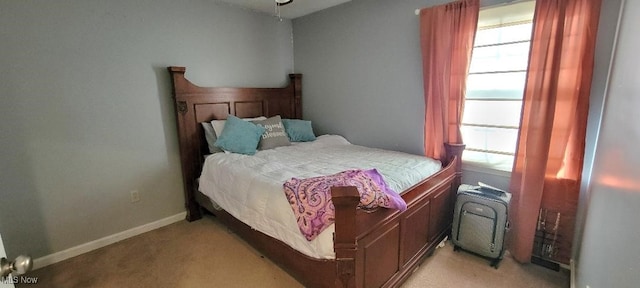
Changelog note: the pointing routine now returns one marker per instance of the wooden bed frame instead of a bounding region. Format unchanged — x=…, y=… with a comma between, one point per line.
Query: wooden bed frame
x=379, y=249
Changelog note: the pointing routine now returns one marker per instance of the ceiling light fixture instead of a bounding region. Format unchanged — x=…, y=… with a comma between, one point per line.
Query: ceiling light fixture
x=283, y=2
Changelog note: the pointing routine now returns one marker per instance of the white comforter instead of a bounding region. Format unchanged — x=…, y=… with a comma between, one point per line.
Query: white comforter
x=250, y=187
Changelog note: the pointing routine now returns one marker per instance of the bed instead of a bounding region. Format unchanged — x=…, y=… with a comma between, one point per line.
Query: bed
x=379, y=249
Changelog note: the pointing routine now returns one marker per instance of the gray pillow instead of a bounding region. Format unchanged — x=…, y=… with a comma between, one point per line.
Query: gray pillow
x=274, y=136
x=210, y=135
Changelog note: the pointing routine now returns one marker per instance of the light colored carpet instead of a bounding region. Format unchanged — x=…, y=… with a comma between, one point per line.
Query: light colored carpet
x=204, y=254
x=460, y=269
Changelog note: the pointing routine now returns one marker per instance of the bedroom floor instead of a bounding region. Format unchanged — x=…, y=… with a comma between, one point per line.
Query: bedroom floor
x=204, y=254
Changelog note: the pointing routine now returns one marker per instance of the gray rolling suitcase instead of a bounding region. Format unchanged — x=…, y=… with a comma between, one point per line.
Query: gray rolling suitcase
x=480, y=221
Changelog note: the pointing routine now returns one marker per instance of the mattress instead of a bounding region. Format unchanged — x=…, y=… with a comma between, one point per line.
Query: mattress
x=250, y=187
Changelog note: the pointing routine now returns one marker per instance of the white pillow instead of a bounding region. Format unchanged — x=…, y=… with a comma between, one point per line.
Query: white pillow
x=218, y=125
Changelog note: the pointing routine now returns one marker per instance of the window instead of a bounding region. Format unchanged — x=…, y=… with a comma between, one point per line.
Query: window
x=495, y=85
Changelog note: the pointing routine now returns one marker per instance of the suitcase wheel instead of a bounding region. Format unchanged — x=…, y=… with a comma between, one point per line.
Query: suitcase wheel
x=456, y=248
x=495, y=263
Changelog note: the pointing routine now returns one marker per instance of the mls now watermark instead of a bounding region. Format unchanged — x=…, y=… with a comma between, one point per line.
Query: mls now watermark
x=18, y=280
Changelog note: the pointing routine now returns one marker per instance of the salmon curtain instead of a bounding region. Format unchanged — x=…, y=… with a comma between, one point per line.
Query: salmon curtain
x=446, y=37
x=549, y=155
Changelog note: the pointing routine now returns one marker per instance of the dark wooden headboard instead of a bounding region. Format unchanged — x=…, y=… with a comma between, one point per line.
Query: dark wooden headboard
x=196, y=104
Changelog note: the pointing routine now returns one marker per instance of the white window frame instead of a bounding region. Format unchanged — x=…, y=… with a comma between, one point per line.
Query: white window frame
x=493, y=18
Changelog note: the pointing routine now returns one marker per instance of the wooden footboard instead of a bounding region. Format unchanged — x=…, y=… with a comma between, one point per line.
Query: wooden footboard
x=379, y=249
x=382, y=249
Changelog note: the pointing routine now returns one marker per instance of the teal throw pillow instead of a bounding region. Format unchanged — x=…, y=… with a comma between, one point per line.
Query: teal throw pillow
x=299, y=130
x=239, y=136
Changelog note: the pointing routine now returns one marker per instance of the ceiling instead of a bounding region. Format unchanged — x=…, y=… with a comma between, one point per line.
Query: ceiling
x=295, y=9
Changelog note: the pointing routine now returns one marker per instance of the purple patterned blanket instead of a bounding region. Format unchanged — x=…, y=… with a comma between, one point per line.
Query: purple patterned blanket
x=311, y=202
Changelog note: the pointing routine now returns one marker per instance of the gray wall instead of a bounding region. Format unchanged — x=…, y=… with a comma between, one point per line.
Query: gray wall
x=610, y=252
x=86, y=110
x=363, y=72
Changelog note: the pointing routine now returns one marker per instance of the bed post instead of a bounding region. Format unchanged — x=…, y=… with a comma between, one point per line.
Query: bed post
x=345, y=200
x=187, y=147
x=455, y=150
x=296, y=81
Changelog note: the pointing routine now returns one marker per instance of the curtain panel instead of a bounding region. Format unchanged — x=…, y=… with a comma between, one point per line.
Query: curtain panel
x=446, y=37
x=550, y=150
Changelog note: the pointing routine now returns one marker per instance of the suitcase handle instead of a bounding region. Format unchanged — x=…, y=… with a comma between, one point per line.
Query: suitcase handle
x=486, y=192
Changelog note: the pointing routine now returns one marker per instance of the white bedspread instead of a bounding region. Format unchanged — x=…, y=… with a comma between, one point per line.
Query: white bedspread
x=250, y=187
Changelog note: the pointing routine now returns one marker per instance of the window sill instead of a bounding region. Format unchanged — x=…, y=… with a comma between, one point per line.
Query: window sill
x=480, y=168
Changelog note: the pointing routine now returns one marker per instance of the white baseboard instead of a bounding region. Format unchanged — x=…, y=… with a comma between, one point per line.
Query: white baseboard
x=99, y=243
